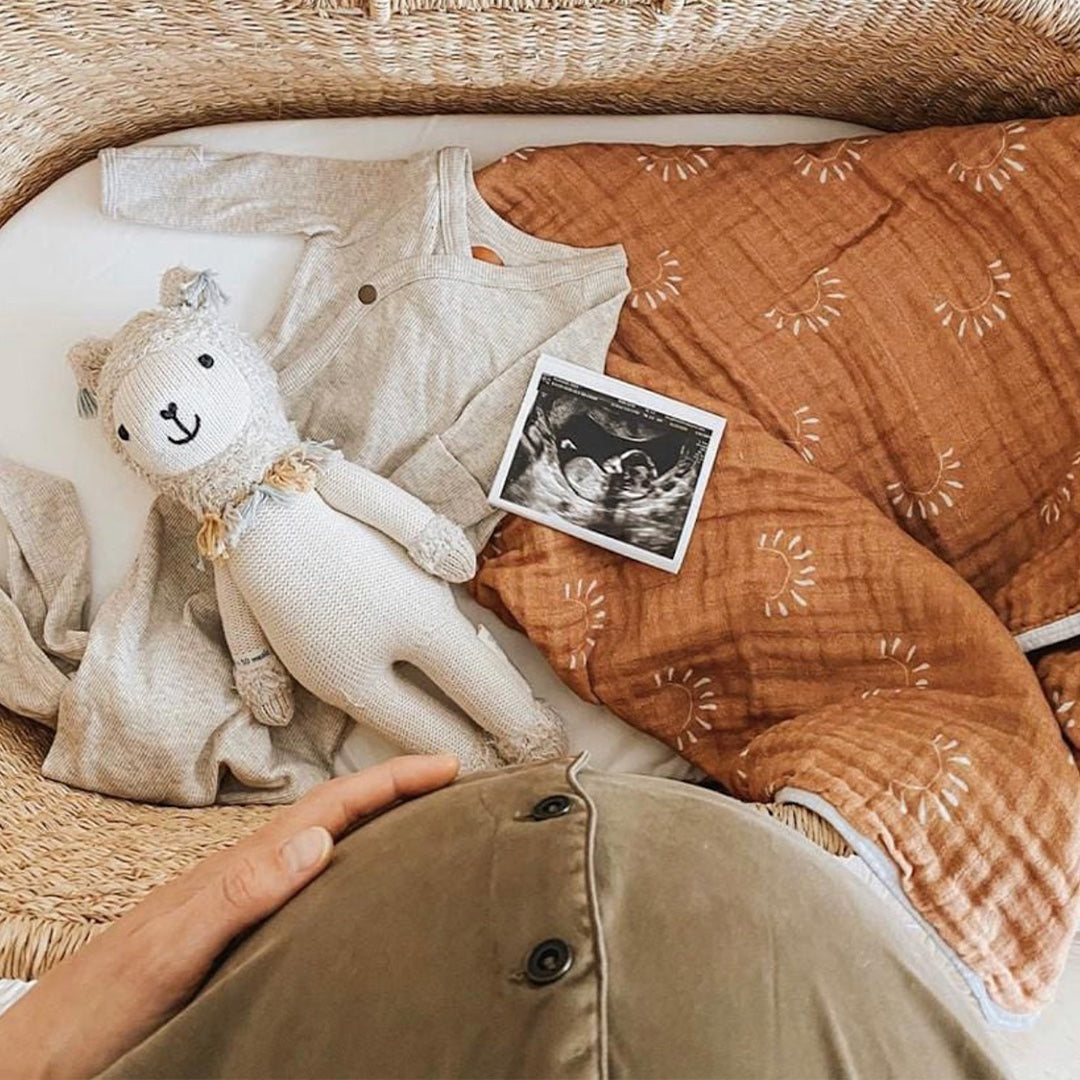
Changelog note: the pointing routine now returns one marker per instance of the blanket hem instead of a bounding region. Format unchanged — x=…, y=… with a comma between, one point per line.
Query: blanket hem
x=1049, y=633
x=886, y=872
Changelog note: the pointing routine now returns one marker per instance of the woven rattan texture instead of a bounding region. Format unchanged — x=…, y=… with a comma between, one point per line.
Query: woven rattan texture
x=76, y=75
x=72, y=861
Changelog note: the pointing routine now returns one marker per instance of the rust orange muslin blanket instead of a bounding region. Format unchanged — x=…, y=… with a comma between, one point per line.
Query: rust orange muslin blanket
x=891, y=531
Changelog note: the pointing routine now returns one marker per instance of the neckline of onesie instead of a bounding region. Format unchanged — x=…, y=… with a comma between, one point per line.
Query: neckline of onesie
x=462, y=209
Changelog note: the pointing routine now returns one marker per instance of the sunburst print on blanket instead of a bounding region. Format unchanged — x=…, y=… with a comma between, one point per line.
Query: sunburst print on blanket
x=994, y=163
x=1063, y=710
x=661, y=284
x=836, y=163
x=813, y=306
x=495, y=546
x=740, y=773
x=934, y=784
x=586, y=617
x=987, y=310
x=523, y=153
x=692, y=694
x=1054, y=505
x=929, y=501
x=795, y=575
x=909, y=672
x=676, y=163
x=805, y=438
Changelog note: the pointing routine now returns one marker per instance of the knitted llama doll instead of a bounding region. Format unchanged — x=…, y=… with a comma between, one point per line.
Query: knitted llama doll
x=325, y=572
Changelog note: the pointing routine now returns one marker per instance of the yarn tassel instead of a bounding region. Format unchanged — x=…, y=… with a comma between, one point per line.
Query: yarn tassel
x=204, y=291
x=298, y=469
x=291, y=475
x=249, y=508
x=87, y=404
x=210, y=539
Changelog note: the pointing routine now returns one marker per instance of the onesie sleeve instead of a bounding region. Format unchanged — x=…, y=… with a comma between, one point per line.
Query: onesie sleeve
x=453, y=470
x=189, y=187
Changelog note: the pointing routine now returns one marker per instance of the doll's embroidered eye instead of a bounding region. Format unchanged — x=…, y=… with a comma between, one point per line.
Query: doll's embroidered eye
x=123, y=433
x=206, y=360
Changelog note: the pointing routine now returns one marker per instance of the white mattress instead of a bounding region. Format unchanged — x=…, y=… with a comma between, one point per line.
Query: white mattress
x=67, y=272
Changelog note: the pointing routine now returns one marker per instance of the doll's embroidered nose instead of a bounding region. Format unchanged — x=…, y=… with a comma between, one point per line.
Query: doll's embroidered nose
x=169, y=413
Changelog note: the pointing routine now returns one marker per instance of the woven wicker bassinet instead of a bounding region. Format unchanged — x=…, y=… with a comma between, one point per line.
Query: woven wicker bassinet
x=77, y=75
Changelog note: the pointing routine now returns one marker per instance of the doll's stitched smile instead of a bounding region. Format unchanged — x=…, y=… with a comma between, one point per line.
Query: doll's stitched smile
x=169, y=413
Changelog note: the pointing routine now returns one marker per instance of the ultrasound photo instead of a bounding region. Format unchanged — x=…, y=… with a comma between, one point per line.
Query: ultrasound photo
x=608, y=462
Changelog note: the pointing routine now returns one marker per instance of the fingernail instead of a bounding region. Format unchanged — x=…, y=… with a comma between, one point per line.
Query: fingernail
x=306, y=849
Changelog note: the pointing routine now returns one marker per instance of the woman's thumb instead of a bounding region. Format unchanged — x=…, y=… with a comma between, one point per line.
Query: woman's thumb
x=306, y=850
x=257, y=877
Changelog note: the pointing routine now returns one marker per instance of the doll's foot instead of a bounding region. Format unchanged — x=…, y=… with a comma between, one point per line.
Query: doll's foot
x=443, y=549
x=266, y=689
x=541, y=739
x=481, y=757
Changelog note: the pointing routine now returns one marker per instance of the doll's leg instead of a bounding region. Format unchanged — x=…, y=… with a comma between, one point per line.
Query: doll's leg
x=404, y=714
x=489, y=688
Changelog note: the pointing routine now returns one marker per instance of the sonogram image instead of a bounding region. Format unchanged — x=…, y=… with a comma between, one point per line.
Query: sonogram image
x=606, y=465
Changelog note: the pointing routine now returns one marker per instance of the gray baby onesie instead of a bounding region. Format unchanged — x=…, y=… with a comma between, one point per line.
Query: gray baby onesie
x=392, y=341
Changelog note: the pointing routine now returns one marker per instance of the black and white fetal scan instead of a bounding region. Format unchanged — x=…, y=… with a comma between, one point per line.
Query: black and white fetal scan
x=608, y=466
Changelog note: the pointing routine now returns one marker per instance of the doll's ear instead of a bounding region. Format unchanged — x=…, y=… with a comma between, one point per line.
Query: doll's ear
x=184, y=288
x=87, y=358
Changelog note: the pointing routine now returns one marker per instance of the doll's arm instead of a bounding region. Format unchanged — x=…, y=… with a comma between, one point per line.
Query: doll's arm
x=432, y=541
x=264, y=685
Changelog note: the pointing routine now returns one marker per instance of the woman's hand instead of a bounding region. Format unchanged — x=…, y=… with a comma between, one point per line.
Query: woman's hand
x=95, y=1006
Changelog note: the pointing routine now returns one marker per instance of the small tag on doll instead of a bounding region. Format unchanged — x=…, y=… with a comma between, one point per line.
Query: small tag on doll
x=608, y=462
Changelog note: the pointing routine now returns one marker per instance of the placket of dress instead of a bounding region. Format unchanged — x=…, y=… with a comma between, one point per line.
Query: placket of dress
x=546, y=934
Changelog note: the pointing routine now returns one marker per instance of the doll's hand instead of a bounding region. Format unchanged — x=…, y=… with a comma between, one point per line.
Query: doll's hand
x=266, y=689
x=444, y=550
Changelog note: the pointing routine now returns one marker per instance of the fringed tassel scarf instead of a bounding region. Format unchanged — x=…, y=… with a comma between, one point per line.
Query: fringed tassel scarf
x=292, y=474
